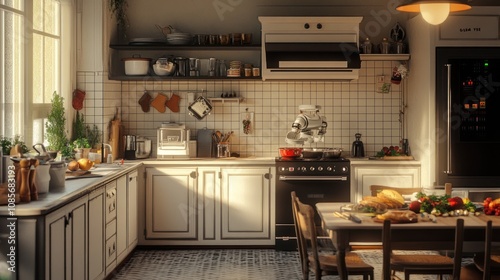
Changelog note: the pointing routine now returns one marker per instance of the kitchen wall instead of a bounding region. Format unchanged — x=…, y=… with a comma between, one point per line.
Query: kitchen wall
x=349, y=107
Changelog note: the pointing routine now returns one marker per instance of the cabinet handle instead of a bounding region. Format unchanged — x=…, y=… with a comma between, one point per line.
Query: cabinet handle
x=193, y=175
x=112, y=207
x=267, y=176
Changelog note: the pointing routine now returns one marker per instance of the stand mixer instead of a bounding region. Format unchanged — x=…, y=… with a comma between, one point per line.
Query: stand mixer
x=308, y=127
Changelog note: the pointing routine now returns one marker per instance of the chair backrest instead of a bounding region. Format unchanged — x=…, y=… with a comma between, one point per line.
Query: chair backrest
x=306, y=230
x=387, y=249
x=301, y=243
x=374, y=189
x=459, y=245
x=487, y=250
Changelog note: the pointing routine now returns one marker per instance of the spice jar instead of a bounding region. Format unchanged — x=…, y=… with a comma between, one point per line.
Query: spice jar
x=384, y=46
x=366, y=47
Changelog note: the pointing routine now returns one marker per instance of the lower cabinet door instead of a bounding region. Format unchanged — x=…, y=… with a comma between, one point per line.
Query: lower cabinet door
x=245, y=203
x=96, y=234
x=66, y=241
x=171, y=211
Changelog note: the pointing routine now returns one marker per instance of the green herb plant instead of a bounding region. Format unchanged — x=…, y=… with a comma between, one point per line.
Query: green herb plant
x=56, y=125
x=119, y=9
x=7, y=143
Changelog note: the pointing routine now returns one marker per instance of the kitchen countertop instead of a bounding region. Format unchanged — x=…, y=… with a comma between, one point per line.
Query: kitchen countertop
x=72, y=190
x=212, y=161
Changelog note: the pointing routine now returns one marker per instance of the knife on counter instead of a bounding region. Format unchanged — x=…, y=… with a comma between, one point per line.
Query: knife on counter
x=347, y=216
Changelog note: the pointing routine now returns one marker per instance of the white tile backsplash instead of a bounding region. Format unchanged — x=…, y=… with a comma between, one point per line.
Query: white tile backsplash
x=349, y=107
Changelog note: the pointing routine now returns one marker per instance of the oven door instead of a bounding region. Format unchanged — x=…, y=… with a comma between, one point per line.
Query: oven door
x=310, y=190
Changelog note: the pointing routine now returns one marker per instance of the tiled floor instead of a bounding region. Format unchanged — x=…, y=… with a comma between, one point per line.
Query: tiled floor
x=230, y=264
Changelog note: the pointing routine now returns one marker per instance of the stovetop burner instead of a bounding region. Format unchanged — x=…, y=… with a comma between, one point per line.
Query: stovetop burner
x=321, y=159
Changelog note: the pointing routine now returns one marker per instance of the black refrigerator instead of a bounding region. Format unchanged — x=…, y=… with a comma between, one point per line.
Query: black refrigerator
x=468, y=116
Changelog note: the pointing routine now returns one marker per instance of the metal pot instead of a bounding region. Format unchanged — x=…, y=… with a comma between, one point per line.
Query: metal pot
x=332, y=152
x=312, y=153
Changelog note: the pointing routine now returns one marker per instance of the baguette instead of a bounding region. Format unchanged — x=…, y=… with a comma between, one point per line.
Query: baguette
x=400, y=216
x=396, y=200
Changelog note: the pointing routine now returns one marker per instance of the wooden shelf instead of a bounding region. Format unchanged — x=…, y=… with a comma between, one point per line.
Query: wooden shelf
x=379, y=57
x=171, y=78
x=156, y=47
x=226, y=99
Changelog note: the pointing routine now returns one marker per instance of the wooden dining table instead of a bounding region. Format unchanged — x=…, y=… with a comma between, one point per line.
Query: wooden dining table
x=422, y=235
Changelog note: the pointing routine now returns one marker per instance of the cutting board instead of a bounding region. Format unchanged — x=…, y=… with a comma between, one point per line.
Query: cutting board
x=77, y=173
x=204, y=143
x=398, y=158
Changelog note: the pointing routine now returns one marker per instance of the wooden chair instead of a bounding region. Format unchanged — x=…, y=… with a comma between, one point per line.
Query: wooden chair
x=486, y=266
x=310, y=259
x=420, y=263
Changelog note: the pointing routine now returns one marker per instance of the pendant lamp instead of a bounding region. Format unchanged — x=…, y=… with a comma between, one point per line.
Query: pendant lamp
x=434, y=11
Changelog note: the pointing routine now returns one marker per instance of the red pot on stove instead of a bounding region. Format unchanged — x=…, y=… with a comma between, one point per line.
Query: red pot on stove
x=290, y=152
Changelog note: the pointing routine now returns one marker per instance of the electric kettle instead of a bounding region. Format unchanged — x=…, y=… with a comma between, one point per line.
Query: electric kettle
x=358, y=149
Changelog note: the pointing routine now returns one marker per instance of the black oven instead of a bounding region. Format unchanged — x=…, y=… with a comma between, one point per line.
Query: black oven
x=314, y=180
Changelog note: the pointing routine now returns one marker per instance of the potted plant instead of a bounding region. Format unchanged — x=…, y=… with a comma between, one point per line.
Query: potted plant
x=118, y=8
x=56, y=126
x=398, y=74
x=8, y=143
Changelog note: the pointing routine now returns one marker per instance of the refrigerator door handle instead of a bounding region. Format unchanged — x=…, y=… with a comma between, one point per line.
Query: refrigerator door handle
x=448, y=128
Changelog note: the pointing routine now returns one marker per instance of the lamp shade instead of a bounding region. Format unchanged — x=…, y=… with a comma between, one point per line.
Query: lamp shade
x=434, y=11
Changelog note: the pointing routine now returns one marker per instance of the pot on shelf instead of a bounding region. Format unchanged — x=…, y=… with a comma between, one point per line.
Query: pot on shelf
x=136, y=65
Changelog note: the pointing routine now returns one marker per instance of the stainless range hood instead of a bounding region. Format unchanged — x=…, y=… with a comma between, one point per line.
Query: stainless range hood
x=310, y=48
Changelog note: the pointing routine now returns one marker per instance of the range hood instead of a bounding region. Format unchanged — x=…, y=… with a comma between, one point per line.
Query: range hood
x=310, y=48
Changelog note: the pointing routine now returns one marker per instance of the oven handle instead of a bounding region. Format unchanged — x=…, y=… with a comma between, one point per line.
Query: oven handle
x=312, y=178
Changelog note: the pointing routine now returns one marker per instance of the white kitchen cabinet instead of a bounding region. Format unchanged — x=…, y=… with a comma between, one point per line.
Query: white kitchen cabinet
x=132, y=208
x=126, y=215
x=65, y=242
x=245, y=203
x=121, y=218
x=231, y=206
x=96, y=268
x=111, y=222
x=171, y=211
x=403, y=174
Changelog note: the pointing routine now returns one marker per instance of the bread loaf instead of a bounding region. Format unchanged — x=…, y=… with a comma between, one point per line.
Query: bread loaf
x=393, y=197
x=399, y=216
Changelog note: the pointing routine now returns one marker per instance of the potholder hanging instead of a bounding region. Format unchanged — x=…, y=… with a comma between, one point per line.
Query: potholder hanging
x=145, y=101
x=173, y=103
x=78, y=97
x=159, y=102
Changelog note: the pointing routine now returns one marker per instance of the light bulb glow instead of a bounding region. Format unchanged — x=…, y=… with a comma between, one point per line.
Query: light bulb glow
x=435, y=13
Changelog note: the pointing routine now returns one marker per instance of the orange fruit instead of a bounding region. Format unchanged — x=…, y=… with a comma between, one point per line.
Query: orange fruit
x=73, y=165
x=85, y=163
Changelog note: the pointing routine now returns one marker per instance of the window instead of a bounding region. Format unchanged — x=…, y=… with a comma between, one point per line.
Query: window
x=34, y=37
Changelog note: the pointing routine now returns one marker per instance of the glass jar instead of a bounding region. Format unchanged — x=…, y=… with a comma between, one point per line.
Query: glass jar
x=366, y=47
x=385, y=46
x=223, y=150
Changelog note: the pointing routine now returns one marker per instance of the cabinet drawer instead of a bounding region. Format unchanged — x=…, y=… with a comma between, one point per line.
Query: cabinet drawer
x=111, y=250
x=110, y=229
x=110, y=204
